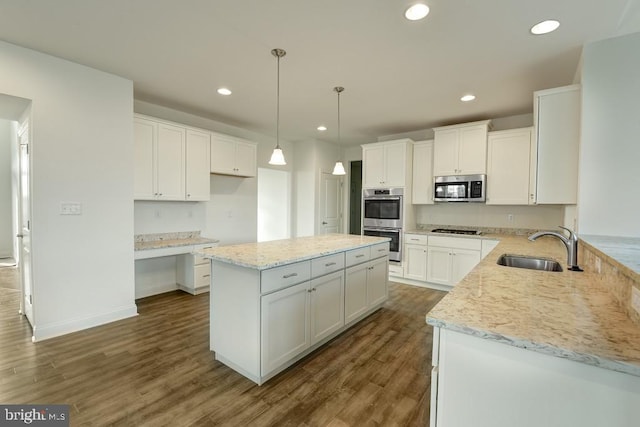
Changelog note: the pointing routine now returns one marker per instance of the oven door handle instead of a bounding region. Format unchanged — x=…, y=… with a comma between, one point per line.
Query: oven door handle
x=370, y=198
x=387, y=229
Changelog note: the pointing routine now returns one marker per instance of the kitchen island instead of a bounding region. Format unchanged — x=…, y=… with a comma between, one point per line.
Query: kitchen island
x=272, y=303
x=523, y=347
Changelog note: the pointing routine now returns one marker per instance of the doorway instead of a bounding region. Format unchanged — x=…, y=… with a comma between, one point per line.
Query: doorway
x=330, y=203
x=355, y=198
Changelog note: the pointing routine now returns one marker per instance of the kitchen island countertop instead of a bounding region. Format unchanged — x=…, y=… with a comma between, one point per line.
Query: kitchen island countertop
x=564, y=314
x=264, y=255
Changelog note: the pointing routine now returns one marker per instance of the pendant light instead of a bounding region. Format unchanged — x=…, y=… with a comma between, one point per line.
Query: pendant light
x=338, y=169
x=277, y=157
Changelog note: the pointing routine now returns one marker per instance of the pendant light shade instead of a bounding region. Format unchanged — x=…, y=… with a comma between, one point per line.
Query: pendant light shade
x=277, y=157
x=338, y=169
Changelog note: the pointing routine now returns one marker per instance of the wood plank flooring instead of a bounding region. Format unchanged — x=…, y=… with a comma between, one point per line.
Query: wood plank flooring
x=156, y=369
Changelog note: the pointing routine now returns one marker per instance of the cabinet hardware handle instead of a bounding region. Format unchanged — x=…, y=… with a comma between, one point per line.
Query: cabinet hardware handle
x=286, y=276
x=308, y=291
x=207, y=275
x=415, y=240
x=313, y=289
x=329, y=264
x=359, y=256
x=381, y=250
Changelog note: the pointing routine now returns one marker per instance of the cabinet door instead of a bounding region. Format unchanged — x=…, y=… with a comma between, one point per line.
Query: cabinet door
x=439, y=265
x=395, y=165
x=170, y=161
x=422, y=190
x=197, y=166
x=327, y=305
x=145, y=132
x=377, y=278
x=223, y=153
x=508, y=167
x=415, y=257
x=245, y=159
x=472, y=150
x=285, y=325
x=463, y=261
x=355, y=298
x=445, y=152
x=557, y=122
x=373, y=167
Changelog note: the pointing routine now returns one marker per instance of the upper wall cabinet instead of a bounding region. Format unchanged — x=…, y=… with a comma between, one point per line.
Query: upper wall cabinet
x=198, y=153
x=510, y=167
x=387, y=164
x=422, y=190
x=556, y=118
x=171, y=161
x=159, y=161
x=460, y=149
x=233, y=156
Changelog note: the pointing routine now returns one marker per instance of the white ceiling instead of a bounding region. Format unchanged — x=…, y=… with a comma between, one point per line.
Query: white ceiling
x=399, y=76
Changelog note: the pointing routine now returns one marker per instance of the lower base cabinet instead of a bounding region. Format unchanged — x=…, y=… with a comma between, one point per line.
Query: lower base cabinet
x=483, y=383
x=262, y=321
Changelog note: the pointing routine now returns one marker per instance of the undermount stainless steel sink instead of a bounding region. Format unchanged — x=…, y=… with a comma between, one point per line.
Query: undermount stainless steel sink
x=532, y=263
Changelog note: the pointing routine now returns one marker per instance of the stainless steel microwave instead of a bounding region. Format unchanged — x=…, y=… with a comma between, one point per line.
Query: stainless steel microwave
x=460, y=188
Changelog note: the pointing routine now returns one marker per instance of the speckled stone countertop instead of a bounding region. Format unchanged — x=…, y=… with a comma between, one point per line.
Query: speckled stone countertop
x=624, y=250
x=562, y=314
x=170, y=240
x=265, y=255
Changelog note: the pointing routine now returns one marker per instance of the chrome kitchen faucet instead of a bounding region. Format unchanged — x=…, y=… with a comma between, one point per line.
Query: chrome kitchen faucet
x=570, y=243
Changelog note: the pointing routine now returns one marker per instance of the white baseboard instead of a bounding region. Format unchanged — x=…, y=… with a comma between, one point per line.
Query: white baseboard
x=420, y=284
x=41, y=333
x=143, y=291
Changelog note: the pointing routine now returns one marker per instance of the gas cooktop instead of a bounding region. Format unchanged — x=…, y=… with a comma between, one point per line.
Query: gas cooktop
x=455, y=231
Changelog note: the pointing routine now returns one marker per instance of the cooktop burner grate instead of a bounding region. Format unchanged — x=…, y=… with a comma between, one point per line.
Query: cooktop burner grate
x=454, y=231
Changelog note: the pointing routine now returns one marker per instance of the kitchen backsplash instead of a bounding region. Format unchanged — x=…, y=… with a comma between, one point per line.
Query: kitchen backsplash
x=491, y=216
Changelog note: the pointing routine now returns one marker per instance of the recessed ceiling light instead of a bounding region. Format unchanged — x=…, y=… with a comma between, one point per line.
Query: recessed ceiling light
x=224, y=91
x=545, y=27
x=322, y=128
x=467, y=98
x=416, y=12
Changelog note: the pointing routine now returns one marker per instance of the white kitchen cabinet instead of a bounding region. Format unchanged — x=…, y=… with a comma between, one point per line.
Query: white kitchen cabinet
x=198, y=153
x=193, y=272
x=387, y=164
x=500, y=385
x=366, y=286
x=285, y=325
x=460, y=149
x=233, y=156
x=159, y=160
x=556, y=117
x=449, y=259
x=326, y=305
x=422, y=189
x=415, y=257
x=509, y=163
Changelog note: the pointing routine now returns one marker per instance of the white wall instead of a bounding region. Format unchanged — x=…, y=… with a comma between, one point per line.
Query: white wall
x=6, y=198
x=82, y=151
x=274, y=204
x=481, y=215
x=609, y=183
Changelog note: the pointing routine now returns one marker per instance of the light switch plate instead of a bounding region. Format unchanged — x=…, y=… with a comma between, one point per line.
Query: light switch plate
x=70, y=208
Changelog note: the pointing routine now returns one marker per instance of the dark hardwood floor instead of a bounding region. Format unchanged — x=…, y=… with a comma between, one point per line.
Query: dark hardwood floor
x=156, y=369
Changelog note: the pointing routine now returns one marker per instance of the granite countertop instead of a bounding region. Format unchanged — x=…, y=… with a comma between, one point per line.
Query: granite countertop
x=563, y=314
x=170, y=240
x=263, y=255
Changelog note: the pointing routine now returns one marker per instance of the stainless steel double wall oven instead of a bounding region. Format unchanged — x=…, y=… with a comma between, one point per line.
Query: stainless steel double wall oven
x=383, y=217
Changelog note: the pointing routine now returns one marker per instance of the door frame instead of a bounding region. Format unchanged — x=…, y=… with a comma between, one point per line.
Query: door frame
x=320, y=203
x=26, y=269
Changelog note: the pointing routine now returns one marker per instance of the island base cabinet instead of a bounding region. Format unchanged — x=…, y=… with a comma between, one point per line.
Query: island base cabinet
x=327, y=307
x=484, y=383
x=285, y=325
x=366, y=286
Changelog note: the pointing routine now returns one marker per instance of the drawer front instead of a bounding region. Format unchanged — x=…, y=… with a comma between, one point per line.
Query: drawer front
x=202, y=275
x=285, y=276
x=395, y=270
x=357, y=256
x=455, y=242
x=416, y=239
x=197, y=259
x=327, y=264
x=380, y=250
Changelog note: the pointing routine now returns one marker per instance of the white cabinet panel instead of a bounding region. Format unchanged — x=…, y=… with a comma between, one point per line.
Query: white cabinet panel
x=463, y=262
x=285, y=325
x=449, y=259
x=415, y=259
x=233, y=156
x=508, y=167
x=327, y=305
x=460, y=149
x=556, y=118
x=145, y=134
x=377, y=281
x=197, y=166
x=355, y=299
x=387, y=164
x=170, y=162
x=439, y=265
x=422, y=173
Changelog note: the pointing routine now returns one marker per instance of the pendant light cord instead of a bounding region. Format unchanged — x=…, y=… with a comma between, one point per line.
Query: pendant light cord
x=278, y=106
